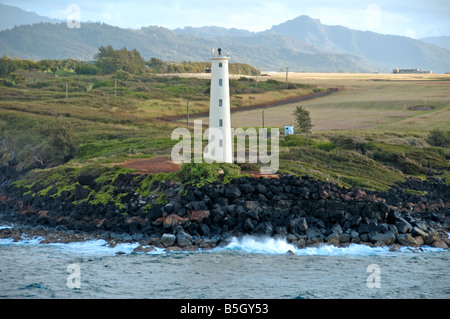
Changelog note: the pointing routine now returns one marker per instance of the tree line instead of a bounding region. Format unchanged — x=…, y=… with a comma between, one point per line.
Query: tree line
x=110, y=61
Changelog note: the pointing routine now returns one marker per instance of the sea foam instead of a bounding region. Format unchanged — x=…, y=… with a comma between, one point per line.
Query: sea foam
x=246, y=244
x=267, y=245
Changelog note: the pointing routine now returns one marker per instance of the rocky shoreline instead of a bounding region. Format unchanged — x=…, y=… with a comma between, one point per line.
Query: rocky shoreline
x=304, y=211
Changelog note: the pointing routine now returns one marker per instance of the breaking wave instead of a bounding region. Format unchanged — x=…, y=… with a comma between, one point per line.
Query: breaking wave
x=268, y=245
x=246, y=244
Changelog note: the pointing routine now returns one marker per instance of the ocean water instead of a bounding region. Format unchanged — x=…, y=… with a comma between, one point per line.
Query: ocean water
x=262, y=268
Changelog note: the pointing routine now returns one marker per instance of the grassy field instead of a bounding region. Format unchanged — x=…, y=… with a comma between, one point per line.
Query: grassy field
x=110, y=120
x=370, y=135
x=380, y=102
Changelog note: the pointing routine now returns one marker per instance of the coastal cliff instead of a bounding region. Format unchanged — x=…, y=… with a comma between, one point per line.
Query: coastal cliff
x=179, y=216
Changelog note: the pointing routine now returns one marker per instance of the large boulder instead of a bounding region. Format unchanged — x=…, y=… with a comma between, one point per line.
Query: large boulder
x=333, y=239
x=313, y=232
x=183, y=239
x=249, y=224
x=406, y=240
x=168, y=240
x=198, y=215
x=261, y=188
x=416, y=231
x=249, y=205
x=387, y=238
x=232, y=192
x=174, y=220
x=403, y=226
x=265, y=229
x=247, y=188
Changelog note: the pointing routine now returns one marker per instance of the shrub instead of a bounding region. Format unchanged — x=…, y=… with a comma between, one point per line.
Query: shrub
x=88, y=69
x=439, y=138
x=6, y=66
x=100, y=84
x=202, y=173
x=325, y=146
x=350, y=142
x=62, y=143
x=296, y=141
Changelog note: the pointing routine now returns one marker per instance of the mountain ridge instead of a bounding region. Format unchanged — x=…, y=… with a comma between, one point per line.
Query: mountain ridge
x=441, y=41
x=302, y=44
x=56, y=41
x=388, y=50
x=11, y=16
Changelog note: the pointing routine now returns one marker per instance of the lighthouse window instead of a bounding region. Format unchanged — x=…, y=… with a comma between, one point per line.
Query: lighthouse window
x=220, y=143
x=220, y=65
x=220, y=102
x=220, y=82
x=220, y=123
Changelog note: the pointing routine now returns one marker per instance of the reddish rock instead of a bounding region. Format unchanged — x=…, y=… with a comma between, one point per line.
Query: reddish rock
x=439, y=244
x=323, y=194
x=407, y=240
x=43, y=213
x=159, y=221
x=359, y=194
x=100, y=223
x=135, y=219
x=347, y=197
x=174, y=220
x=198, y=215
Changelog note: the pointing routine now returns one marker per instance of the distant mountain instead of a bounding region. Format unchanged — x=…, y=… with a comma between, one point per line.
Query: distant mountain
x=300, y=44
x=443, y=41
x=264, y=51
x=213, y=32
x=387, y=51
x=13, y=16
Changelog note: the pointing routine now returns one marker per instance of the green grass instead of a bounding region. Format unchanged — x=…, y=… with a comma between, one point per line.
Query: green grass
x=365, y=136
x=367, y=160
x=344, y=167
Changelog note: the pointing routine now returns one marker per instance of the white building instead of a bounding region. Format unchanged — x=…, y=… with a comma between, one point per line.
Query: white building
x=220, y=147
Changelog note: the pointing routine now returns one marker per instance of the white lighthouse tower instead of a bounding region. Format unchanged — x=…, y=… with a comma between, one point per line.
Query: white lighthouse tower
x=220, y=142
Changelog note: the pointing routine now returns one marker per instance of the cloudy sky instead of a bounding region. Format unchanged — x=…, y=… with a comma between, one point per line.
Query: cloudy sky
x=414, y=18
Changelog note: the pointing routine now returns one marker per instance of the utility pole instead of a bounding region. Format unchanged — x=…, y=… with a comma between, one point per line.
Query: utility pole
x=262, y=118
x=67, y=91
x=187, y=107
x=287, y=72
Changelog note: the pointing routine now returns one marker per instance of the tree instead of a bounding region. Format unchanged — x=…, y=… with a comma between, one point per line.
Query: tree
x=110, y=61
x=6, y=66
x=61, y=138
x=84, y=68
x=9, y=145
x=157, y=65
x=303, y=121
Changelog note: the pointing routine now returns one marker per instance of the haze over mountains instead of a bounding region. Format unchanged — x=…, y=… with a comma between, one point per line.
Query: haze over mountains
x=13, y=16
x=302, y=44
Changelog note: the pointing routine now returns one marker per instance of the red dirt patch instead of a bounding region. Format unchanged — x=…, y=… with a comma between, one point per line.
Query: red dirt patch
x=152, y=165
x=165, y=165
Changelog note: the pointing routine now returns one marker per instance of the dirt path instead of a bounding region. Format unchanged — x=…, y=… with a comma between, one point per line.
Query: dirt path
x=291, y=100
x=163, y=164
